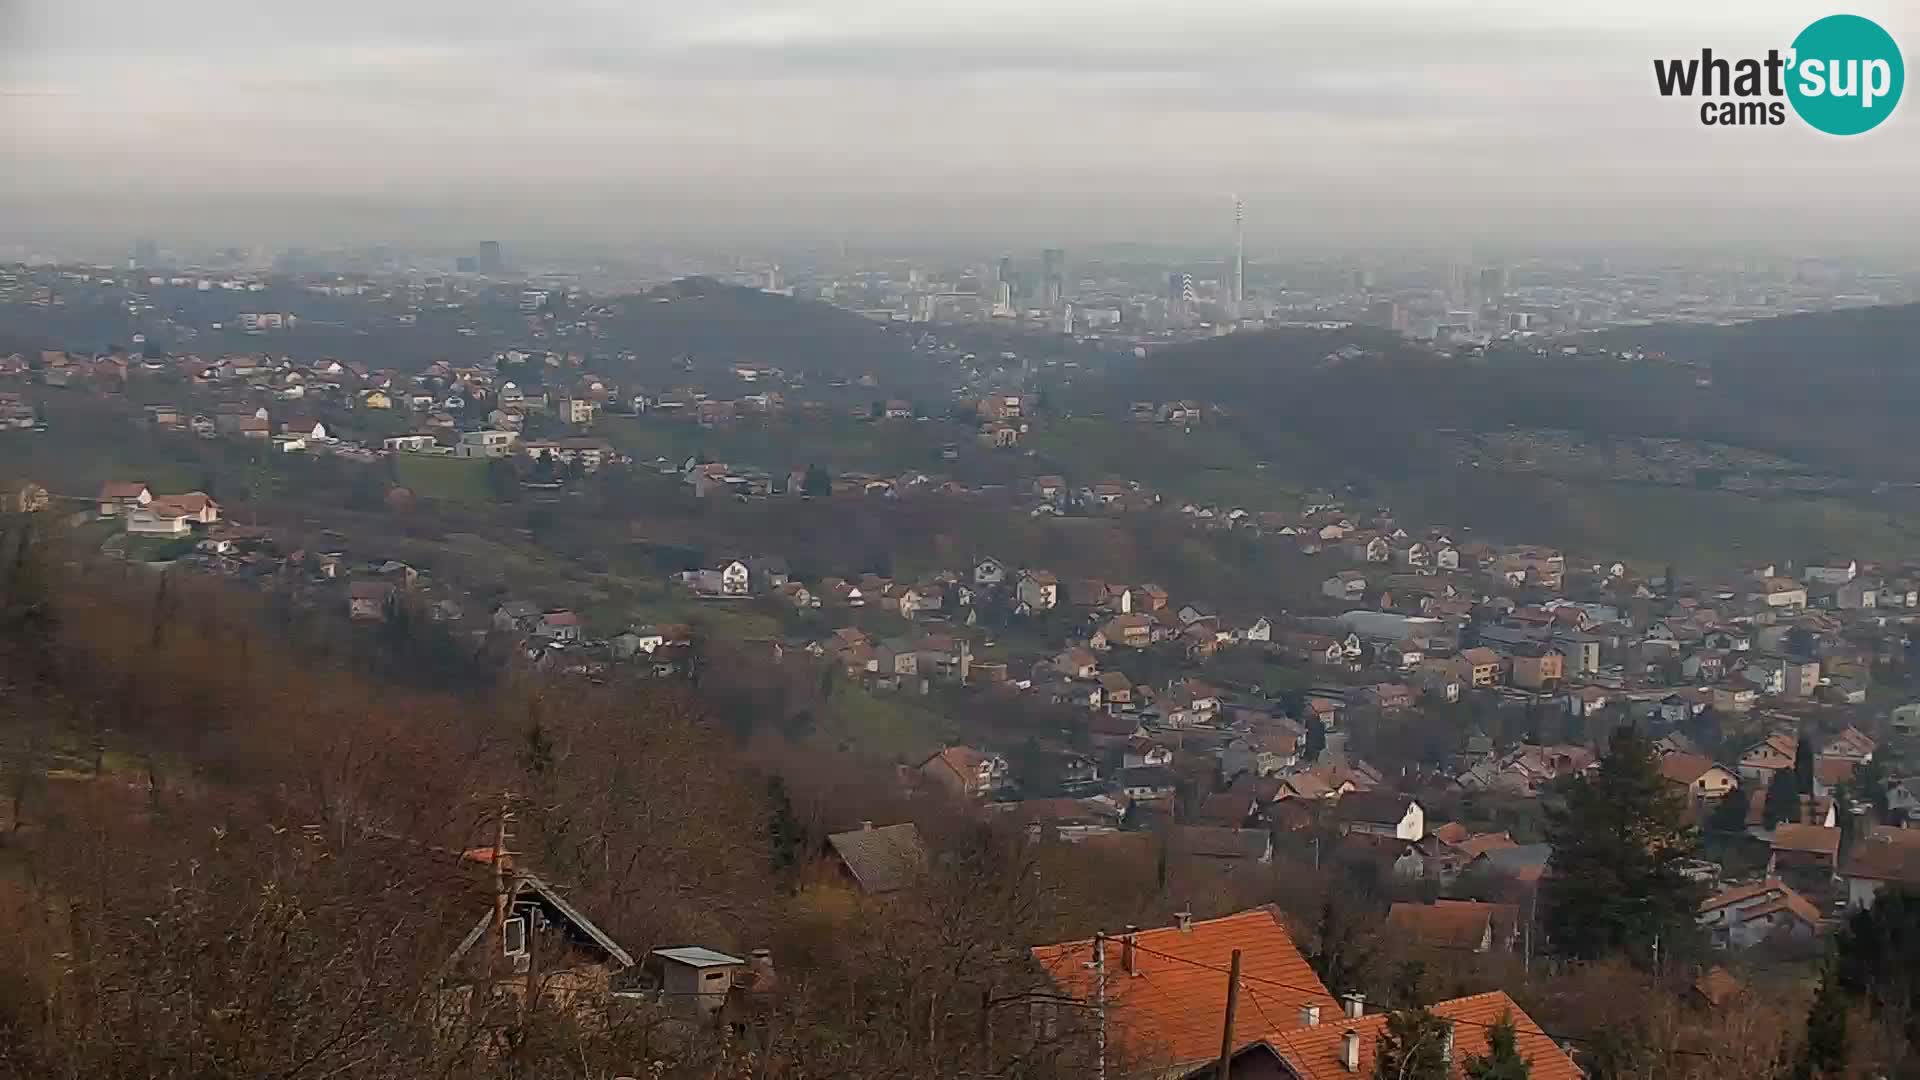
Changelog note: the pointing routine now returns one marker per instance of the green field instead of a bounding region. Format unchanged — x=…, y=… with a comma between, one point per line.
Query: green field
x=1651, y=526
x=838, y=444
x=1209, y=464
x=440, y=477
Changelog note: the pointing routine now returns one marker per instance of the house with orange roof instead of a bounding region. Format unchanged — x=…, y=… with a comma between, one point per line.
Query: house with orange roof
x=1346, y=1045
x=1698, y=776
x=1771, y=754
x=1456, y=925
x=1884, y=858
x=1166, y=988
x=118, y=496
x=1812, y=851
x=966, y=772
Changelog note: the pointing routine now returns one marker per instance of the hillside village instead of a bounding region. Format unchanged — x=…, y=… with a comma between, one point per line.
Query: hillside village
x=1405, y=706
x=1514, y=662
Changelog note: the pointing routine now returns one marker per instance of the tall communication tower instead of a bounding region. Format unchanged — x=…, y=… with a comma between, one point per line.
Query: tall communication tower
x=1238, y=297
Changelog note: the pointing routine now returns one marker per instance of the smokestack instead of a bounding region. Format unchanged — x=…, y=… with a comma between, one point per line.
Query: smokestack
x=1126, y=951
x=1350, y=1051
x=760, y=963
x=866, y=826
x=1309, y=1016
x=1355, y=1003
x=1185, y=919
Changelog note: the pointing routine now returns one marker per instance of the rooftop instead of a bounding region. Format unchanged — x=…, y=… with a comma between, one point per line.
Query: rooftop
x=1170, y=1006
x=695, y=956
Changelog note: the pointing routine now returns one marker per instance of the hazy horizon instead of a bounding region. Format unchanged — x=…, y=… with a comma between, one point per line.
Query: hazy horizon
x=1390, y=123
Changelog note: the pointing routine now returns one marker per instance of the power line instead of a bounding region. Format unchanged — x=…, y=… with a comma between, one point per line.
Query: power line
x=1311, y=992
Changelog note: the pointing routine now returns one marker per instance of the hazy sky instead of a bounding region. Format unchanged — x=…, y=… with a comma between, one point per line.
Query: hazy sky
x=1070, y=120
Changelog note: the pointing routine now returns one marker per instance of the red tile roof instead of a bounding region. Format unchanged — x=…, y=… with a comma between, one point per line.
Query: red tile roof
x=1452, y=924
x=1684, y=769
x=1886, y=854
x=1315, y=1051
x=1811, y=839
x=1169, y=1010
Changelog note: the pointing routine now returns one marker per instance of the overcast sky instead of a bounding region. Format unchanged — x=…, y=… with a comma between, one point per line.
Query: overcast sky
x=1340, y=121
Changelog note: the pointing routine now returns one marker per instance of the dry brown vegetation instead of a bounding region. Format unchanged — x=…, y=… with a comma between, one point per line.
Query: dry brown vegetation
x=218, y=858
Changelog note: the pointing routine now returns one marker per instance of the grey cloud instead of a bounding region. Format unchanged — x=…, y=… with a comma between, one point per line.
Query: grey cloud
x=1389, y=113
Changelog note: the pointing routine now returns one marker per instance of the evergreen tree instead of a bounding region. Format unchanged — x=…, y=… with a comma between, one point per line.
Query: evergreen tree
x=1409, y=984
x=1416, y=1045
x=1875, y=954
x=1316, y=740
x=784, y=834
x=1783, y=798
x=1614, y=878
x=1803, y=765
x=1824, y=1054
x=1729, y=814
x=1502, y=1060
x=1870, y=788
x=1342, y=956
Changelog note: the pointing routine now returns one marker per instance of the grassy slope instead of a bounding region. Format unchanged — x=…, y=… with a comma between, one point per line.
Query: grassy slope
x=433, y=477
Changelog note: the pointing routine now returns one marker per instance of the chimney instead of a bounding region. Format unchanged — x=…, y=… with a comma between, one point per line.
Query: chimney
x=1350, y=1051
x=1126, y=951
x=760, y=963
x=866, y=826
x=1309, y=1016
x=1185, y=919
x=1355, y=1003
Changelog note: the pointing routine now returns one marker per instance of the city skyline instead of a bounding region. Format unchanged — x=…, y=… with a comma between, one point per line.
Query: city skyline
x=1375, y=124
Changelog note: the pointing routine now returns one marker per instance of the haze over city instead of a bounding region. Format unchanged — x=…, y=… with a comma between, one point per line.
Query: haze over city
x=1389, y=123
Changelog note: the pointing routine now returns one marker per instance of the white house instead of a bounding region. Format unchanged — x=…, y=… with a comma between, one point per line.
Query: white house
x=1837, y=573
x=146, y=522
x=489, y=443
x=1039, y=590
x=989, y=571
x=1744, y=916
x=1381, y=813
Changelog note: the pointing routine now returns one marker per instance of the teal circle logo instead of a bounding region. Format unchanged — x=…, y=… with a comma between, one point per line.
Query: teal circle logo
x=1846, y=75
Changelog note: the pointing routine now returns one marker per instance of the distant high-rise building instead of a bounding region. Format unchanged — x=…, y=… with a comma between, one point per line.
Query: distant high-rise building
x=1003, y=299
x=1459, y=281
x=1493, y=283
x=1363, y=281
x=490, y=260
x=466, y=264
x=146, y=252
x=1053, y=277
x=1389, y=315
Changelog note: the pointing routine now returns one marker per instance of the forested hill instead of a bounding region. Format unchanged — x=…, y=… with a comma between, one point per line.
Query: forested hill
x=1838, y=389
x=707, y=319
x=714, y=324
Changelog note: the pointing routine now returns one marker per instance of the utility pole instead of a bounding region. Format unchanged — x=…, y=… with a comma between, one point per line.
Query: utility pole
x=1100, y=997
x=500, y=839
x=986, y=1031
x=1533, y=912
x=1226, y=1030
